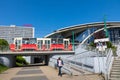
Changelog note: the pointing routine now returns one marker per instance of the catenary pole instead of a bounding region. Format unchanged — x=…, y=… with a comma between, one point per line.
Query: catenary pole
x=73, y=42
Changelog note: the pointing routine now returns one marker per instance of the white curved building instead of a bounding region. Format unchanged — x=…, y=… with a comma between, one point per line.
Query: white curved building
x=82, y=31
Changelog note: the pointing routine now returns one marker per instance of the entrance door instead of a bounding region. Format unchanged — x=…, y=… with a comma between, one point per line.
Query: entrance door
x=18, y=43
x=40, y=44
x=47, y=44
x=66, y=44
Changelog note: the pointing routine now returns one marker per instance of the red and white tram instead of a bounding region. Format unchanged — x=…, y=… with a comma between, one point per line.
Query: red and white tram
x=40, y=44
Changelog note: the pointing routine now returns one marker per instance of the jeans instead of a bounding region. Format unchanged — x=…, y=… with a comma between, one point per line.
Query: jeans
x=59, y=73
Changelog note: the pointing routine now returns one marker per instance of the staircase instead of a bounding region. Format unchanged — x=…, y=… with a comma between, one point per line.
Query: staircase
x=115, y=71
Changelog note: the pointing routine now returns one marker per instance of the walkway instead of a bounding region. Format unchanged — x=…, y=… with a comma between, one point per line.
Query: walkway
x=41, y=73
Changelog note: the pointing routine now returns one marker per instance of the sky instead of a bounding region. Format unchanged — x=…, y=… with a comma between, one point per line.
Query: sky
x=47, y=16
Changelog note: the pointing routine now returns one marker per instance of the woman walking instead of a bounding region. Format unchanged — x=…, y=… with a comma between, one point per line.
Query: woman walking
x=59, y=64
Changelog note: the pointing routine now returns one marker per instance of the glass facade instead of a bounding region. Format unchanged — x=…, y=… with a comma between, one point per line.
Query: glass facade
x=84, y=34
x=114, y=34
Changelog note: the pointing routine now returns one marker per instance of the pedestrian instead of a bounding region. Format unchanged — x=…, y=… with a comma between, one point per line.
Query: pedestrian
x=59, y=64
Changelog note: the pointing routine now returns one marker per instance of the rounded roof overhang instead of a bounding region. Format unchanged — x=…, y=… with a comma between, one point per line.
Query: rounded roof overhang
x=81, y=27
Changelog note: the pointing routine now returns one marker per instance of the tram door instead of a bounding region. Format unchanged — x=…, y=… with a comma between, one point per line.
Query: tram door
x=18, y=43
x=40, y=44
x=66, y=44
x=47, y=44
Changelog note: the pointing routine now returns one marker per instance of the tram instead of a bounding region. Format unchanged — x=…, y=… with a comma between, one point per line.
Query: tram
x=40, y=44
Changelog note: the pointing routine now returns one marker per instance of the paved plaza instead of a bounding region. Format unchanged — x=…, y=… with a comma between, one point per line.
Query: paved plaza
x=42, y=73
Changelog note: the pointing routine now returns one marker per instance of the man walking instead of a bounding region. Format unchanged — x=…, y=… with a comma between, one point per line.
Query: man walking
x=59, y=64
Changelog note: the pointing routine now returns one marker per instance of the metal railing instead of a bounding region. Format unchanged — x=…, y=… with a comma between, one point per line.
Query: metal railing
x=109, y=62
x=83, y=58
x=79, y=66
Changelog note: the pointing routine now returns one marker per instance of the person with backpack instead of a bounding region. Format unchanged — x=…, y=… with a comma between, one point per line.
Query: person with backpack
x=60, y=65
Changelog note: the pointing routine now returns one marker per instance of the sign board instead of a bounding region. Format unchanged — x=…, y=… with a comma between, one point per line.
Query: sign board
x=101, y=40
x=101, y=43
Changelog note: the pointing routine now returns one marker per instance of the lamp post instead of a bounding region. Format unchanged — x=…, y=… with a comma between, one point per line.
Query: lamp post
x=73, y=44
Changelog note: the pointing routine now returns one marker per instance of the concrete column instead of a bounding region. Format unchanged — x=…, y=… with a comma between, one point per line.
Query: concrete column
x=32, y=59
x=8, y=60
x=46, y=59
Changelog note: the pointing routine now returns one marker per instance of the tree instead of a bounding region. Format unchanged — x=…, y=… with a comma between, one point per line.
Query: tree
x=3, y=44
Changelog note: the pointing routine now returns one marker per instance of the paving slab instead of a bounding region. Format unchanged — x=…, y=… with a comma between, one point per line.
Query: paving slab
x=29, y=72
x=31, y=78
x=36, y=67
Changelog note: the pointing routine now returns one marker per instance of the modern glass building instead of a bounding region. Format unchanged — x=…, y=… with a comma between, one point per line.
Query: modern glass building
x=12, y=31
x=89, y=32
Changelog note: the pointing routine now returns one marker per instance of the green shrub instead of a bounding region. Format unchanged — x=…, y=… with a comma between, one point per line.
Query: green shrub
x=109, y=44
x=20, y=61
x=19, y=64
x=3, y=68
x=114, y=49
x=92, y=44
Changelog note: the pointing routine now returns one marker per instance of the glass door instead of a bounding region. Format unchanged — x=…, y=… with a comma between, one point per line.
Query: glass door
x=47, y=44
x=40, y=44
x=66, y=44
x=18, y=43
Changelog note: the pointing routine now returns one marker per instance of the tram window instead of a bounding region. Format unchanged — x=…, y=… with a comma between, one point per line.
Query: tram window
x=53, y=41
x=32, y=40
x=48, y=42
x=25, y=42
x=60, y=40
x=29, y=40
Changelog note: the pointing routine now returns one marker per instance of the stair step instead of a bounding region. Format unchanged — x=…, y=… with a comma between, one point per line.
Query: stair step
x=116, y=65
x=118, y=68
x=115, y=70
x=117, y=58
x=118, y=62
x=115, y=76
x=115, y=73
x=114, y=79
